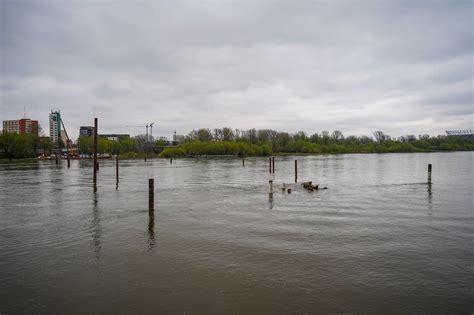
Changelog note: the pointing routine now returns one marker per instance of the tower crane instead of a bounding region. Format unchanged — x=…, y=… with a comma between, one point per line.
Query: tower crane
x=146, y=128
x=151, y=130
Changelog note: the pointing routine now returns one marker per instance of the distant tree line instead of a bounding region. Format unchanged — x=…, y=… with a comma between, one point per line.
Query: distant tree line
x=252, y=142
x=227, y=141
x=137, y=144
x=14, y=146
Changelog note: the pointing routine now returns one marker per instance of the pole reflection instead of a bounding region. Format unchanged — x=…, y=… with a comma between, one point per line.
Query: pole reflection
x=96, y=229
x=430, y=200
x=151, y=230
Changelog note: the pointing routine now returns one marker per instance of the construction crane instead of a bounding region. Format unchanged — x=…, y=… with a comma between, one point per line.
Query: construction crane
x=151, y=130
x=146, y=128
x=69, y=148
x=141, y=127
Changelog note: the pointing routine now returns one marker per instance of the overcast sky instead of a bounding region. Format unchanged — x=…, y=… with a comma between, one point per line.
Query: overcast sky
x=404, y=67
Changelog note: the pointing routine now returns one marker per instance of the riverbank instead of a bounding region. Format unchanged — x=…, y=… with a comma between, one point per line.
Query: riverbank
x=141, y=155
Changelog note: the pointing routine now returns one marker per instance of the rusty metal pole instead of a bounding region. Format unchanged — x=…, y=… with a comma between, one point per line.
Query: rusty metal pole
x=296, y=171
x=273, y=165
x=95, y=155
x=151, y=194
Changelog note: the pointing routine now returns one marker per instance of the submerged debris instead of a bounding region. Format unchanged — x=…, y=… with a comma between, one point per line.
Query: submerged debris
x=310, y=187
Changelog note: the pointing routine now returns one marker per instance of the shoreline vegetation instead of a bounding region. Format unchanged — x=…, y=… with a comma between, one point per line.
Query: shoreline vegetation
x=228, y=142
x=239, y=143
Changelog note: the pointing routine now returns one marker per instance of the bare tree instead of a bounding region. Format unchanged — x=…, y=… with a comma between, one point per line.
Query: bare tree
x=337, y=136
x=379, y=137
x=227, y=134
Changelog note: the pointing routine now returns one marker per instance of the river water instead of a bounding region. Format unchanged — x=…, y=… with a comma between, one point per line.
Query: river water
x=378, y=240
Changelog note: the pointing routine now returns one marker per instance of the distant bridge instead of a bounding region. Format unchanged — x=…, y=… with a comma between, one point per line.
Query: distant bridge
x=460, y=133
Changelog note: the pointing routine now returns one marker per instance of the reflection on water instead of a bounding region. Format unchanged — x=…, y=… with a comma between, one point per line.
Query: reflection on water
x=378, y=240
x=430, y=199
x=151, y=230
x=95, y=228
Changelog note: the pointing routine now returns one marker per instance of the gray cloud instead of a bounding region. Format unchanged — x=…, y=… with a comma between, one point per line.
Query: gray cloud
x=402, y=67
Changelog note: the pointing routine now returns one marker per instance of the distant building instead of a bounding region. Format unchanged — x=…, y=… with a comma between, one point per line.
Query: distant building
x=467, y=134
x=55, y=127
x=86, y=131
x=177, y=138
x=28, y=126
x=22, y=126
x=115, y=136
x=11, y=126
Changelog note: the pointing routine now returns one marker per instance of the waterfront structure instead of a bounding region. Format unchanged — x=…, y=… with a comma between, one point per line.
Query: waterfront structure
x=468, y=134
x=86, y=131
x=115, y=136
x=55, y=127
x=21, y=126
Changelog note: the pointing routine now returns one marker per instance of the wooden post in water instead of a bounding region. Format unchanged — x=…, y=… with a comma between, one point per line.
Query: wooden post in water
x=429, y=174
x=270, y=165
x=68, y=161
x=116, y=170
x=57, y=160
x=273, y=165
x=171, y=160
x=151, y=194
x=270, y=192
x=296, y=171
x=243, y=162
x=95, y=155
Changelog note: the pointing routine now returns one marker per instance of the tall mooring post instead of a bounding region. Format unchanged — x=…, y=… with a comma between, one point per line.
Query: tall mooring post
x=270, y=165
x=273, y=164
x=296, y=171
x=429, y=173
x=151, y=194
x=95, y=155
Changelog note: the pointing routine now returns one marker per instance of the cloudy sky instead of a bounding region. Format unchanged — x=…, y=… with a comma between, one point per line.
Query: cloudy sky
x=404, y=67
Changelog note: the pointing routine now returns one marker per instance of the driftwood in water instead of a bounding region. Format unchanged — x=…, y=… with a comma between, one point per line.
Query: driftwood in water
x=309, y=186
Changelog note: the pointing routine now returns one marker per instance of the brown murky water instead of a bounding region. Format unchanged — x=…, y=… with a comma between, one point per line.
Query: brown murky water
x=377, y=241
